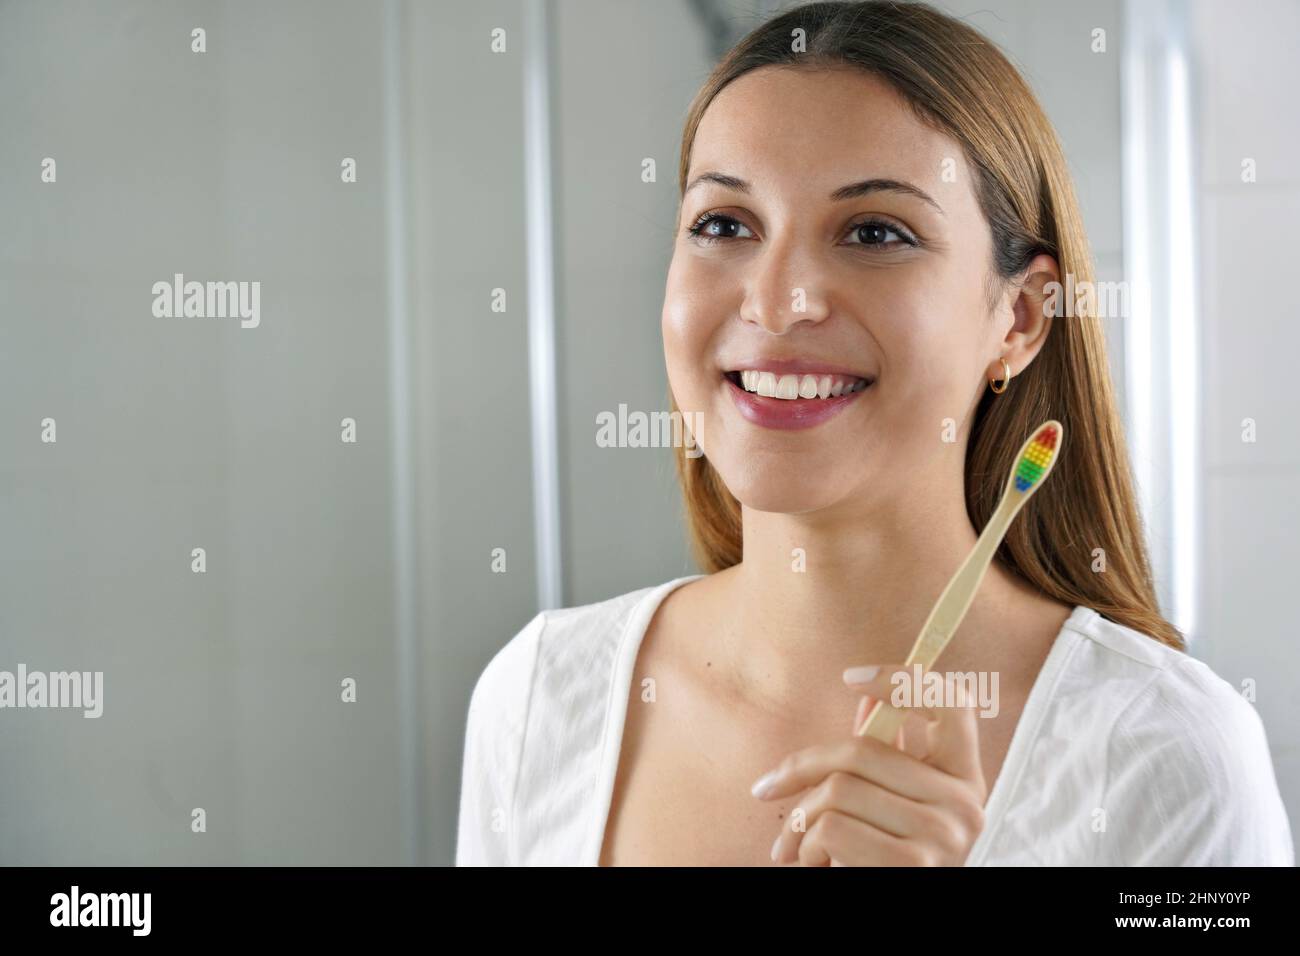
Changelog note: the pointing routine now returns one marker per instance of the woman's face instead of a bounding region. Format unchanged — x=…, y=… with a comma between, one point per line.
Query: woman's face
x=887, y=285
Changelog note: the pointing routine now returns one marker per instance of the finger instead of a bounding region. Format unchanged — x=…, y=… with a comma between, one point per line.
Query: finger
x=864, y=708
x=952, y=744
x=954, y=740
x=915, y=737
x=840, y=840
x=898, y=685
x=863, y=704
x=858, y=798
x=866, y=757
x=876, y=705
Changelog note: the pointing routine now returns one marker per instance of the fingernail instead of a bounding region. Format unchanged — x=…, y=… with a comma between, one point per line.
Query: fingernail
x=775, y=844
x=860, y=675
x=763, y=784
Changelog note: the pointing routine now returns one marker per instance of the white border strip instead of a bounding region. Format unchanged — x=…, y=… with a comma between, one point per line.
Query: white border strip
x=541, y=300
x=1184, y=340
x=1162, y=333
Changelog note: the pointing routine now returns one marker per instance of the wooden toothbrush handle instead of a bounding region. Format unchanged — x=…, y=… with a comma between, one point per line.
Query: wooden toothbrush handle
x=884, y=720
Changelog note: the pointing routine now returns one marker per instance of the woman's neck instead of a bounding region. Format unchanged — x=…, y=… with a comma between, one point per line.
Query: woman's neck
x=866, y=587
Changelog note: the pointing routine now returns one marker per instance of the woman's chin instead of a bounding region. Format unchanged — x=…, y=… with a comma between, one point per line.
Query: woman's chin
x=792, y=495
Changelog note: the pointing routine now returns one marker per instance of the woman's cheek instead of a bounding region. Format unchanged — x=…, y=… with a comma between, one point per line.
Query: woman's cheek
x=687, y=349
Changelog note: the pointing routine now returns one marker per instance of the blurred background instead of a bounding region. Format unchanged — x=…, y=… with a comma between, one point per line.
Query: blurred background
x=490, y=282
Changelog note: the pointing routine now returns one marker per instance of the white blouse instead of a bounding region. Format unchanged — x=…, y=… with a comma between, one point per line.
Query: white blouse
x=1127, y=752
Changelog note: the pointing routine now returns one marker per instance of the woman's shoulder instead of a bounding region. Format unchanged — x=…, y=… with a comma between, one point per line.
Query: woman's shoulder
x=543, y=702
x=1179, y=741
x=572, y=651
x=1153, y=685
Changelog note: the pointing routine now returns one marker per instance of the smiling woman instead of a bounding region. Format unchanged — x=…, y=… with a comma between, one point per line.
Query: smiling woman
x=872, y=204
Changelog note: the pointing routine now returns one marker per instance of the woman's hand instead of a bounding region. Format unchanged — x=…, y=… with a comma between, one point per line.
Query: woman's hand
x=872, y=804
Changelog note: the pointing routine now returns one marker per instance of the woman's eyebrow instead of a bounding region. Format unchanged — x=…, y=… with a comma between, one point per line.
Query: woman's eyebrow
x=851, y=191
x=867, y=186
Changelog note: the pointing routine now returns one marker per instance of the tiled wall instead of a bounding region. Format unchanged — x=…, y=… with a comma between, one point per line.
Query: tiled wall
x=1247, y=72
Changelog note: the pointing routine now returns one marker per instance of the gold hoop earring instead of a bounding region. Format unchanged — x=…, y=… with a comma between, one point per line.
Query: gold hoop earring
x=1006, y=378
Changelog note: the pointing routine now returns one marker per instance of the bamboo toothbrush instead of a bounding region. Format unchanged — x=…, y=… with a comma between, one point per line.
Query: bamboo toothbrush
x=1036, y=458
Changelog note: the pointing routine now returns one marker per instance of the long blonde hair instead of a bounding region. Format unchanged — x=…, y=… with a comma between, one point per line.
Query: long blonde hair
x=959, y=82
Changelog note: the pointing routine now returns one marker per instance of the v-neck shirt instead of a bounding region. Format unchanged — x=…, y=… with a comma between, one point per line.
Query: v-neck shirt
x=1127, y=752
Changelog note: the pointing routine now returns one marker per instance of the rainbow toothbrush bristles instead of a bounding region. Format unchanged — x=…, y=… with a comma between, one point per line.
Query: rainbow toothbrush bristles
x=1036, y=458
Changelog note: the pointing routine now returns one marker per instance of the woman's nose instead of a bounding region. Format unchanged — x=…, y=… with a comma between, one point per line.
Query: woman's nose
x=783, y=288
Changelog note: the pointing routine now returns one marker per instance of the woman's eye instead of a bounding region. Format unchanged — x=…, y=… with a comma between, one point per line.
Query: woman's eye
x=712, y=227
x=876, y=233
x=715, y=227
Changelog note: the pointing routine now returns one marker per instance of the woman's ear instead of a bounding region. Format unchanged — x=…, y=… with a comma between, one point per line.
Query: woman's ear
x=1034, y=298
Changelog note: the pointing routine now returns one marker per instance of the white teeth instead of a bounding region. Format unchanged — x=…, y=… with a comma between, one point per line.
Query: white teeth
x=790, y=386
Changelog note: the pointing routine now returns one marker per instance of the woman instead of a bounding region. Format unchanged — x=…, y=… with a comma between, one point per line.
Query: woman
x=858, y=313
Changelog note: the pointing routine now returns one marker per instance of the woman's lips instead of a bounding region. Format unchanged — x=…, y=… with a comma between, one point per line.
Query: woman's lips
x=788, y=413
